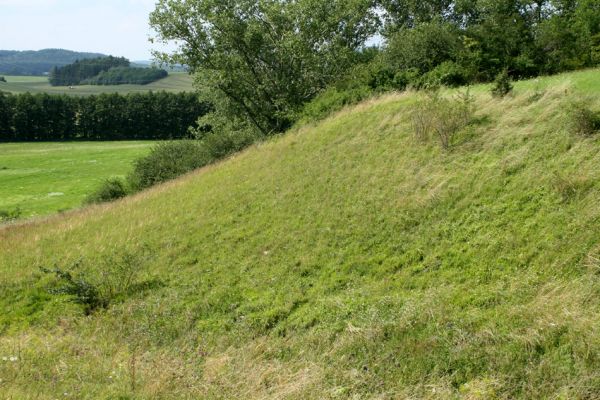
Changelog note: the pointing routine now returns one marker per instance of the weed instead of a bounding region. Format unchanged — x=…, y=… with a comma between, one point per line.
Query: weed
x=582, y=120
x=442, y=117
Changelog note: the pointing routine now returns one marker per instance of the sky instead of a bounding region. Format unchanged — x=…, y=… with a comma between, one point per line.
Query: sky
x=114, y=27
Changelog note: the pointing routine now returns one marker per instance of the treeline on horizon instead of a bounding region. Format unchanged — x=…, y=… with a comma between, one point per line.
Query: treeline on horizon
x=103, y=71
x=148, y=116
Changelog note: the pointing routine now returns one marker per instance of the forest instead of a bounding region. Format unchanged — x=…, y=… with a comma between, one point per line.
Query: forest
x=103, y=71
x=44, y=117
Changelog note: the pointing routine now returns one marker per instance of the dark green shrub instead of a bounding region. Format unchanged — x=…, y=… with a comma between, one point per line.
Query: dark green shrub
x=167, y=161
x=79, y=289
x=112, y=189
x=446, y=74
x=502, y=85
x=2, y=79
x=582, y=120
x=111, y=280
x=10, y=215
x=333, y=100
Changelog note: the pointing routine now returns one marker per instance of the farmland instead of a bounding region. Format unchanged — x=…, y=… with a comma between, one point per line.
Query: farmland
x=44, y=178
x=175, y=82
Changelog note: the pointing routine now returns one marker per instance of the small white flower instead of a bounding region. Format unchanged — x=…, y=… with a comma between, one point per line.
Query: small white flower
x=13, y=359
x=4, y=358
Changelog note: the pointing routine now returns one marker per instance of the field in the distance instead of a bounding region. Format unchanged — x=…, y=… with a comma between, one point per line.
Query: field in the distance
x=175, y=82
x=44, y=178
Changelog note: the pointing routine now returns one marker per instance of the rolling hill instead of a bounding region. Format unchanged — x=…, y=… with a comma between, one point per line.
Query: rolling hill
x=38, y=63
x=345, y=259
x=175, y=82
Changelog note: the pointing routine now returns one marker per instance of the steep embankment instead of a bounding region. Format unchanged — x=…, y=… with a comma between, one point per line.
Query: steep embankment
x=343, y=260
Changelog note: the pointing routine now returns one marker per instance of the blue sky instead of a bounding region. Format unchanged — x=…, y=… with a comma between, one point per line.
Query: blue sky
x=116, y=27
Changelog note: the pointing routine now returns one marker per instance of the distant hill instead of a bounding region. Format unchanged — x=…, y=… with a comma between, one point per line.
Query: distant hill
x=40, y=62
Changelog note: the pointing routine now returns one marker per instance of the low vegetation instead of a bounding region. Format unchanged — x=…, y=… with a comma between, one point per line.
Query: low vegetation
x=127, y=76
x=346, y=259
x=46, y=178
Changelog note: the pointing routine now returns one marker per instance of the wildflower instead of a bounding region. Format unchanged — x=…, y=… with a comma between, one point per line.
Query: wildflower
x=13, y=359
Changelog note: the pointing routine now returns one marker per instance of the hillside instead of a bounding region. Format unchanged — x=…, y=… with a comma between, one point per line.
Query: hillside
x=345, y=259
x=40, y=62
x=175, y=82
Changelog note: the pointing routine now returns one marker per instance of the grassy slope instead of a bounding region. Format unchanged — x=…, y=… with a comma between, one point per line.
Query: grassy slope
x=175, y=82
x=345, y=260
x=43, y=178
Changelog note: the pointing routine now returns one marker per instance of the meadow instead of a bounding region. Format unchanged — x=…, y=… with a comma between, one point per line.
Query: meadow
x=347, y=259
x=175, y=82
x=44, y=178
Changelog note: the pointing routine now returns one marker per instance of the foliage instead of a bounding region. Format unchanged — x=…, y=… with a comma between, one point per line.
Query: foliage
x=502, y=85
x=44, y=117
x=260, y=61
x=127, y=75
x=82, y=70
x=2, y=79
x=166, y=161
x=110, y=190
x=582, y=119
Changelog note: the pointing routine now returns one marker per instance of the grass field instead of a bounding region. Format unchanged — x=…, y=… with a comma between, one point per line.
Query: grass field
x=43, y=178
x=344, y=260
x=175, y=82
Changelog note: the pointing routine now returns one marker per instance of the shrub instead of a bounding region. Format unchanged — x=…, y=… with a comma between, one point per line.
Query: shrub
x=442, y=117
x=446, y=74
x=502, y=85
x=112, y=189
x=333, y=100
x=10, y=215
x=582, y=120
x=2, y=79
x=167, y=161
x=115, y=278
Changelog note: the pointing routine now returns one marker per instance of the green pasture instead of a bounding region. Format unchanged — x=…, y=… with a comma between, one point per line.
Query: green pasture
x=43, y=178
x=175, y=82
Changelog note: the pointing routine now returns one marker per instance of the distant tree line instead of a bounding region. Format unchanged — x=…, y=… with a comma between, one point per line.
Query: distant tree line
x=80, y=70
x=38, y=62
x=127, y=75
x=44, y=117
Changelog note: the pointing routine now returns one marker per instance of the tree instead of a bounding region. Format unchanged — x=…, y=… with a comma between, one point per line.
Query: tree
x=259, y=61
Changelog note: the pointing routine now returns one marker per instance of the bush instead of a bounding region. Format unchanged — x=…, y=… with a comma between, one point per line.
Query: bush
x=112, y=189
x=333, y=100
x=446, y=74
x=10, y=215
x=442, y=117
x=115, y=278
x=2, y=79
x=582, y=119
x=502, y=85
x=167, y=161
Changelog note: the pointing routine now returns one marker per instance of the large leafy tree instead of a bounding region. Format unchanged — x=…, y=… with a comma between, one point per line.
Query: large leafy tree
x=259, y=61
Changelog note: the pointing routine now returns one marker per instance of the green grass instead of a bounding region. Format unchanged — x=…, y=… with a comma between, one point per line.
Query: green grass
x=344, y=260
x=43, y=178
x=175, y=82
